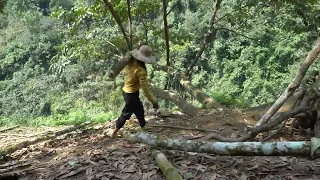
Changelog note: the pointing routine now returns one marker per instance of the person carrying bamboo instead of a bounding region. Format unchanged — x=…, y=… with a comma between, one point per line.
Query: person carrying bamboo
x=136, y=78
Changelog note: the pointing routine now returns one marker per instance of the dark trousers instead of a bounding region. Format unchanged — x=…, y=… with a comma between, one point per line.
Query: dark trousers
x=133, y=105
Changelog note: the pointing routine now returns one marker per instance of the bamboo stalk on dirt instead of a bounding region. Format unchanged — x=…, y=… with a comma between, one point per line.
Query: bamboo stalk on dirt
x=293, y=85
x=13, y=148
x=186, y=107
x=302, y=148
x=9, y=128
x=202, y=97
x=166, y=167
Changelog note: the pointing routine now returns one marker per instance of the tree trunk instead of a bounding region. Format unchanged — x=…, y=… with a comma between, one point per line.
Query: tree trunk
x=166, y=167
x=13, y=148
x=118, y=20
x=185, y=107
x=166, y=31
x=130, y=24
x=2, y=4
x=293, y=85
x=207, y=37
x=317, y=126
x=202, y=97
x=302, y=148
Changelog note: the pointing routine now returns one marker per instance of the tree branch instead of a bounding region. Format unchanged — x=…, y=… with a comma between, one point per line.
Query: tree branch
x=207, y=37
x=293, y=85
x=173, y=7
x=117, y=18
x=275, y=122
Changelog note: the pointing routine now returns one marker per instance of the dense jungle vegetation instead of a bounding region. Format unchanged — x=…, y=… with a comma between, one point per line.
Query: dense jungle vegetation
x=54, y=54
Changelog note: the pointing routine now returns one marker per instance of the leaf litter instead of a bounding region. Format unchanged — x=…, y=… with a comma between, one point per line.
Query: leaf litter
x=91, y=155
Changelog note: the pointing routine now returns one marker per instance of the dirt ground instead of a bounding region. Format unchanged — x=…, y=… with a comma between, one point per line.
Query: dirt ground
x=91, y=154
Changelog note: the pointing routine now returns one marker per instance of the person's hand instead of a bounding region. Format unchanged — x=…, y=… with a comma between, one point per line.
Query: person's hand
x=155, y=105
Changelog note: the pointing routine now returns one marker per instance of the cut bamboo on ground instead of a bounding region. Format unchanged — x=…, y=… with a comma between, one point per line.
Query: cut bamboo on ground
x=166, y=167
x=9, y=128
x=202, y=97
x=185, y=107
x=13, y=148
x=301, y=148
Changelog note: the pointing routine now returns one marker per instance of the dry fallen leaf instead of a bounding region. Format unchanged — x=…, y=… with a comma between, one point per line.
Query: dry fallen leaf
x=124, y=177
x=253, y=168
x=198, y=167
x=105, y=178
x=121, y=166
x=130, y=169
x=89, y=171
x=243, y=177
x=214, y=176
x=72, y=173
x=147, y=175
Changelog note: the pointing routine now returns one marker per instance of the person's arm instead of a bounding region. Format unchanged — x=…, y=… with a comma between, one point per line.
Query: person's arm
x=142, y=76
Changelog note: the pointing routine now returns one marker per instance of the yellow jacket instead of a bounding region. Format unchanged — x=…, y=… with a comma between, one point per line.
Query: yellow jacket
x=136, y=78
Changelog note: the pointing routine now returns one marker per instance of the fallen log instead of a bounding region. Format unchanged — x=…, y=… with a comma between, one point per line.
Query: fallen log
x=13, y=148
x=301, y=148
x=9, y=128
x=293, y=85
x=202, y=97
x=186, y=107
x=166, y=167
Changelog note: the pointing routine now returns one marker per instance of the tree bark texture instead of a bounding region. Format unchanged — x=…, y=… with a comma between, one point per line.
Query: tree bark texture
x=166, y=167
x=302, y=148
x=202, y=97
x=185, y=107
x=211, y=32
x=293, y=85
